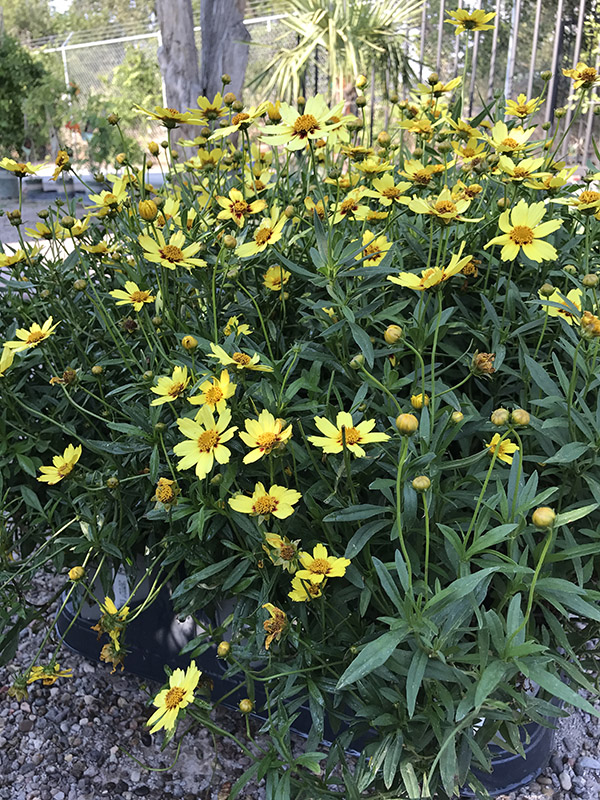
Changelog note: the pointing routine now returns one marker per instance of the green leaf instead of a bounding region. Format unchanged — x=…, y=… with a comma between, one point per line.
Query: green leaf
x=31, y=498
x=355, y=512
x=392, y=759
x=388, y=585
x=410, y=780
x=203, y=574
x=541, y=378
x=124, y=427
x=26, y=464
x=373, y=656
x=556, y=687
x=576, y=513
x=449, y=767
x=568, y=453
x=364, y=343
x=490, y=678
x=414, y=679
x=362, y=536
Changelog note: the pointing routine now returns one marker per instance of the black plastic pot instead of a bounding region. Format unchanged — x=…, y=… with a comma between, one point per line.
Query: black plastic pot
x=156, y=637
x=510, y=771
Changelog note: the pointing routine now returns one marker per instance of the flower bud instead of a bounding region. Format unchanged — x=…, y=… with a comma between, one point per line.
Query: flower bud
x=590, y=280
x=157, y=321
x=457, y=416
x=543, y=517
x=407, y=424
x=112, y=119
x=189, y=343
x=80, y=284
x=76, y=573
x=546, y=75
x=571, y=269
x=148, y=210
x=148, y=375
x=246, y=706
x=121, y=158
x=361, y=101
x=393, y=334
x=417, y=152
x=520, y=417
x=229, y=99
x=164, y=144
x=68, y=222
x=546, y=126
x=45, y=294
x=153, y=148
x=500, y=416
x=361, y=81
x=160, y=427
x=14, y=217
x=547, y=290
x=229, y=241
x=112, y=482
x=417, y=401
x=384, y=139
x=433, y=78
x=393, y=97
x=237, y=106
x=223, y=650
x=503, y=202
x=225, y=79
x=421, y=483
x=43, y=214
x=97, y=369
x=560, y=113
x=301, y=100
x=357, y=361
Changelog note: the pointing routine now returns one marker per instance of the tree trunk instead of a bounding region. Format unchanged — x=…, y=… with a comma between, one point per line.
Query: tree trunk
x=178, y=57
x=223, y=45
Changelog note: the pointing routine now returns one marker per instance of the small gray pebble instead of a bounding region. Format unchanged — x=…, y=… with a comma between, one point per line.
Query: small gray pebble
x=565, y=781
x=25, y=725
x=570, y=744
x=556, y=763
x=589, y=763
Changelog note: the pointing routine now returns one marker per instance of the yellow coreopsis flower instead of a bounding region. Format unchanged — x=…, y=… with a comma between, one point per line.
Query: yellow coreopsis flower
x=297, y=130
x=373, y=165
x=320, y=207
x=522, y=107
x=6, y=360
x=503, y=449
x=214, y=393
x=242, y=120
x=582, y=76
x=522, y=231
x=505, y=141
x=206, y=441
x=264, y=435
x=31, y=337
x=17, y=257
x=132, y=295
x=238, y=360
x=209, y=110
x=274, y=626
x=45, y=230
x=237, y=209
x=418, y=173
x=168, y=116
x=303, y=590
x=374, y=249
x=20, y=169
x=267, y=233
x=278, y=501
x=387, y=192
x=439, y=88
x=321, y=565
x=572, y=299
x=112, y=200
x=344, y=431
x=233, y=325
x=524, y=169
x=173, y=254
x=586, y=202
x=433, y=276
x=471, y=20
x=48, y=675
x=171, y=701
x=62, y=163
x=282, y=551
x=165, y=494
x=170, y=388
x=469, y=151
x=442, y=208
x=61, y=465
x=350, y=207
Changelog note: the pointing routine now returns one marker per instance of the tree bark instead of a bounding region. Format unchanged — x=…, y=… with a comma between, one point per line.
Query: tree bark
x=178, y=57
x=223, y=45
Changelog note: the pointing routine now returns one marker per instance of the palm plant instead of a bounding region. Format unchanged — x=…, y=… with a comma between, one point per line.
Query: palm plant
x=357, y=35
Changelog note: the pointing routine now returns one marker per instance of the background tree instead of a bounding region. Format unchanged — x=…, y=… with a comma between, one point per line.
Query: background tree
x=224, y=45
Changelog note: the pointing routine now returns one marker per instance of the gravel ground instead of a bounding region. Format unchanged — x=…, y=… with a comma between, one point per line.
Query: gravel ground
x=63, y=742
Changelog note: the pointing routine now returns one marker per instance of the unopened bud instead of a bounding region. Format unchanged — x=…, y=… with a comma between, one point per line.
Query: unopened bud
x=571, y=269
x=289, y=211
x=237, y=106
x=500, y=416
x=229, y=241
x=189, y=342
x=543, y=517
x=80, y=284
x=229, y=99
x=421, y=483
x=357, y=361
x=590, y=280
x=361, y=81
x=361, y=101
x=246, y=706
x=97, y=369
x=225, y=79
x=301, y=100
x=68, y=222
x=547, y=290
x=433, y=78
x=148, y=210
x=223, y=650
x=76, y=573
x=546, y=75
x=153, y=148
x=417, y=152
x=407, y=424
x=112, y=482
x=393, y=334
x=112, y=119
x=520, y=417
x=417, y=401
x=457, y=416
